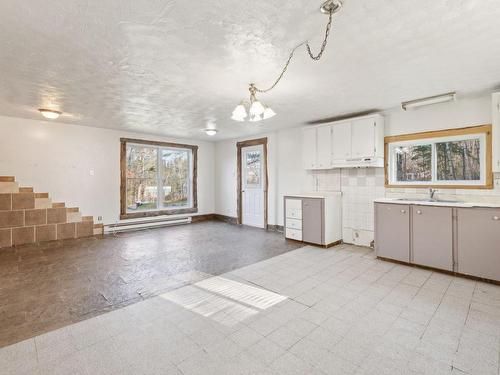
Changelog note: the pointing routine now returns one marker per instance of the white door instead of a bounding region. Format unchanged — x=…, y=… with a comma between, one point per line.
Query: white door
x=341, y=141
x=309, y=148
x=253, y=184
x=363, y=138
x=324, y=142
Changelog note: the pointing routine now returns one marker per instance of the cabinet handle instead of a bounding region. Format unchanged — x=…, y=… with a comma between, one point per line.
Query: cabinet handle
x=403, y=211
x=419, y=212
x=496, y=218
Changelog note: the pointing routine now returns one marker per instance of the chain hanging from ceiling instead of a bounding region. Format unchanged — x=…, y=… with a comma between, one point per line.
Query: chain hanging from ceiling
x=258, y=111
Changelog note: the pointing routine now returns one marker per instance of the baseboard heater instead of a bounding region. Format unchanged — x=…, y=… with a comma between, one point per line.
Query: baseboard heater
x=158, y=222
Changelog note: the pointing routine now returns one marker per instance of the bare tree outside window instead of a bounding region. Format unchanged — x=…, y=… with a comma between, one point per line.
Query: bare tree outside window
x=459, y=160
x=157, y=178
x=414, y=163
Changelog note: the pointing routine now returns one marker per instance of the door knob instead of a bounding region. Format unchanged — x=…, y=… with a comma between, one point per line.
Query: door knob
x=419, y=212
x=403, y=211
x=496, y=218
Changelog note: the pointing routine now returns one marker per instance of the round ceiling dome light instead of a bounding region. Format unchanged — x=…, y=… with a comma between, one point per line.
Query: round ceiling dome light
x=50, y=113
x=211, y=132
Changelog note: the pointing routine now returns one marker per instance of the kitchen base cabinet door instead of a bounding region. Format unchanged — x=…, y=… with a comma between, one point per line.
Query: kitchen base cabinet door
x=392, y=231
x=432, y=237
x=312, y=220
x=479, y=242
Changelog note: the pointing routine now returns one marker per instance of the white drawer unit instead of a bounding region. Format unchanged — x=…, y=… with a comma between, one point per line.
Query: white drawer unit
x=294, y=234
x=294, y=213
x=313, y=218
x=293, y=223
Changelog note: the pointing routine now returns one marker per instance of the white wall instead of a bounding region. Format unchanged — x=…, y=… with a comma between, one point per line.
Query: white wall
x=56, y=158
x=359, y=186
x=458, y=114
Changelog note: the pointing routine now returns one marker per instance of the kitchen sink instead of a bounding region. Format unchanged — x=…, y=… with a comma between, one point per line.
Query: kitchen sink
x=427, y=200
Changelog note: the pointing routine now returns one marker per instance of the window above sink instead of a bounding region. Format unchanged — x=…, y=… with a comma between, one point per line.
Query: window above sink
x=455, y=158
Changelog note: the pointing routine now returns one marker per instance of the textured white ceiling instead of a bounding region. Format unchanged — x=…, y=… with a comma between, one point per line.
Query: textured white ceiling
x=167, y=67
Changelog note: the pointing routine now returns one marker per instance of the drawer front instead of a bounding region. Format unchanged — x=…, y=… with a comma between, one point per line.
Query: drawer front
x=294, y=234
x=294, y=213
x=294, y=203
x=293, y=223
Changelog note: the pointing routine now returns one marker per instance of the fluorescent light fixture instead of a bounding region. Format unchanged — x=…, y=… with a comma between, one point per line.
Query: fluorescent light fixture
x=50, y=113
x=448, y=97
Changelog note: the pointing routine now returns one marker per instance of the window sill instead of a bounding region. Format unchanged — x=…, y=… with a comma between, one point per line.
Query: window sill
x=438, y=186
x=179, y=211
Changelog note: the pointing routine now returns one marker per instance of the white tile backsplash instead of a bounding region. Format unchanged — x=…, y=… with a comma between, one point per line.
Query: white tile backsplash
x=361, y=186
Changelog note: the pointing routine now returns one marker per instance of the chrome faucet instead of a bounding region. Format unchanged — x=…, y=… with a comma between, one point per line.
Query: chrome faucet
x=432, y=192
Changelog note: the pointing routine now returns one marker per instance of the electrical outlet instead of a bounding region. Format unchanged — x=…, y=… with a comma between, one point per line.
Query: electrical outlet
x=92, y=172
x=99, y=218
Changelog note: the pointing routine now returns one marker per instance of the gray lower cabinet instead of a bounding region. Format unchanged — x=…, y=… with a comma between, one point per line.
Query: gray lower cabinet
x=392, y=231
x=432, y=237
x=312, y=220
x=478, y=242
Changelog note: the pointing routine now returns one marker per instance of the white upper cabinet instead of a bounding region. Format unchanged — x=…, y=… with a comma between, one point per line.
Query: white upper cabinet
x=309, y=148
x=356, y=142
x=495, y=100
x=324, y=147
x=363, y=138
x=341, y=141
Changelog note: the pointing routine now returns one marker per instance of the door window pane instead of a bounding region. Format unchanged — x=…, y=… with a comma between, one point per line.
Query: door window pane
x=413, y=162
x=141, y=177
x=459, y=160
x=253, y=167
x=174, y=171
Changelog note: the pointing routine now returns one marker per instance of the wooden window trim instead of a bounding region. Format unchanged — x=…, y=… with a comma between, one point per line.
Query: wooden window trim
x=239, y=146
x=480, y=129
x=123, y=180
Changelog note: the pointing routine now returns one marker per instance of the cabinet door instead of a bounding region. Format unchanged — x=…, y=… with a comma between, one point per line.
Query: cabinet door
x=341, y=141
x=324, y=147
x=478, y=242
x=363, y=138
x=432, y=237
x=312, y=220
x=309, y=148
x=392, y=231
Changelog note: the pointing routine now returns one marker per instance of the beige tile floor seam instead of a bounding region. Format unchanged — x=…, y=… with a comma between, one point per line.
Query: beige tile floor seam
x=365, y=317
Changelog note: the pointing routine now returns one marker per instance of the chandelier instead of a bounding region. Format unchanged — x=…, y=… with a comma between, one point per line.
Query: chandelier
x=253, y=109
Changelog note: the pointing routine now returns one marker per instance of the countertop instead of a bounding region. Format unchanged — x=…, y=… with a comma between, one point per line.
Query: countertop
x=318, y=194
x=437, y=203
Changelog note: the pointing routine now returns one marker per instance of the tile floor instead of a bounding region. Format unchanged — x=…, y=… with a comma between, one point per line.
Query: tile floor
x=309, y=311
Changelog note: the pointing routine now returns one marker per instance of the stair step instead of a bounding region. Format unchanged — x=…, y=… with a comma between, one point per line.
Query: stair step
x=26, y=190
x=72, y=209
x=7, y=179
x=9, y=187
x=87, y=218
x=41, y=195
x=98, y=229
x=58, y=205
x=73, y=217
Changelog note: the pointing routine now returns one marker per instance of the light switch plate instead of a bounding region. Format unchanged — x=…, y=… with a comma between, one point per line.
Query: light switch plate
x=92, y=172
